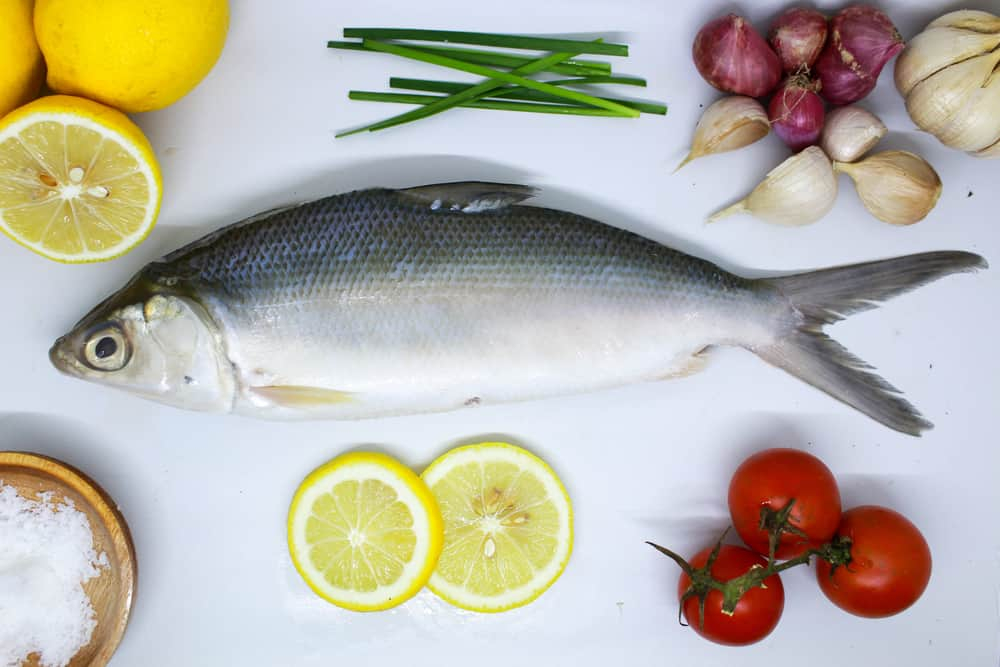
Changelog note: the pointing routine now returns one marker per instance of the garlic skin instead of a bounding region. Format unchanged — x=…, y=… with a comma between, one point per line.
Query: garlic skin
x=977, y=123
x=968, y=19
x=850, y=132
x=989, y=151
x=937, y=48
x=726, y=125
x=947, y=76
x=935, y=103
x=897, y=187
x=799, y=191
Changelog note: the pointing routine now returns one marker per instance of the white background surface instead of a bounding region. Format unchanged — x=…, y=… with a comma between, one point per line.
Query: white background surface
x=206, y=496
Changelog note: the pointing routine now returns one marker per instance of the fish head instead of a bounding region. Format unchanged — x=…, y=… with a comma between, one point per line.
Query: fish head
x=152, y=342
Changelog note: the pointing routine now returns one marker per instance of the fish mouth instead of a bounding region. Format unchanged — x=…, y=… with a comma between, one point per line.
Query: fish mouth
x=60, y=357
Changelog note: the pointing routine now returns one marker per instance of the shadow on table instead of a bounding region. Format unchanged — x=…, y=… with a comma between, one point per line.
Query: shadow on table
x=67, y=440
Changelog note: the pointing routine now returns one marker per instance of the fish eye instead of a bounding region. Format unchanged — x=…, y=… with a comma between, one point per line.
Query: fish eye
x=106, y=349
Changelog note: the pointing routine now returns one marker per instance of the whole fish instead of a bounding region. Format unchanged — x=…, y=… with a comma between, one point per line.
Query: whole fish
x=387, y=302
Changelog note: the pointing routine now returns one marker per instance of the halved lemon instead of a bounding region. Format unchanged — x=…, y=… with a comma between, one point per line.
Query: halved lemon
x=364, y=532
x=508, y=526
x=78, y=180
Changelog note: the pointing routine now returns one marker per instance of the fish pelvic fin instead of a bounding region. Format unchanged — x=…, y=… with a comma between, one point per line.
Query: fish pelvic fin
x=292, y=396
x=469, y=196
x=827, y=296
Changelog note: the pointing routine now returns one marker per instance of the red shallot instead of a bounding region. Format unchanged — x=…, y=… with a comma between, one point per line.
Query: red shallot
x=798, y=37
x=862, y=40
x=796, y=112
x=733, y=57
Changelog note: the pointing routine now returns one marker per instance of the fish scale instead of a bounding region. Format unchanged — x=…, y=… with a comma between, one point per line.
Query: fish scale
x=383, y=302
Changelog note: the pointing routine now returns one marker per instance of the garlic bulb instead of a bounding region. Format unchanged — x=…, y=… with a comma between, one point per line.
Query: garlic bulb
x=895, y=186
x=849, y=133
x=937, y=48
x=968, y=19
x=727, y=124
x=942, y=103
x=977, y=123
x=799, y=191
x=989, y=151
x=946, y=74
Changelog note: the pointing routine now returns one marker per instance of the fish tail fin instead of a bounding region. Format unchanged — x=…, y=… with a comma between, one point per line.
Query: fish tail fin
x=829, y=295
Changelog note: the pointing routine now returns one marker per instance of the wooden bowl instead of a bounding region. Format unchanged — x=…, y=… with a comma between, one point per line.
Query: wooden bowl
x=111, y=592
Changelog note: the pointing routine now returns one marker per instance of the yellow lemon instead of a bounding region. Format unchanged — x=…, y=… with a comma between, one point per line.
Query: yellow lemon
x=508, y=526
x=78, y=180
x=22, y=68
x=130, y=54
x=364, y=532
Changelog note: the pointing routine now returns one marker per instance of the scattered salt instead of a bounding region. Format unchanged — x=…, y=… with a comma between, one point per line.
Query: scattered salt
x=46, y=554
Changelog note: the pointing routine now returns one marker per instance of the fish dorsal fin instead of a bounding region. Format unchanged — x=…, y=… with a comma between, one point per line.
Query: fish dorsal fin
x=469, y=196
x=292, y=396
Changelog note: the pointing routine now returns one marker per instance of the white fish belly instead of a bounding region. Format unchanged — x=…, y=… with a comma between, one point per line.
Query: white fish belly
x=401, y=358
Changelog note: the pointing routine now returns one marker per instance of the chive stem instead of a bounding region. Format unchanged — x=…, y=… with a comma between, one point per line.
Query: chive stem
x=515, y=93
x=464, y=96
x=575, y=67
x=500, y=76
x=489, y=39
x=499, y=105
x=588, y=79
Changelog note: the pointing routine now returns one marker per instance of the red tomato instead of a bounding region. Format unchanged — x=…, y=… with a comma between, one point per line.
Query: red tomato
x=772, y=478
x=756, y=613
x=889, y=568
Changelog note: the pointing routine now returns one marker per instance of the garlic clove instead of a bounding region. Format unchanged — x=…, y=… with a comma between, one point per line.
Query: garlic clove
x=977, y=124
x=937, y=48
x=934, y=102
x=989, y=151
x=728, y=124
x=799, y=191
x=895, y=186
x=968, y=19
x=850, y=132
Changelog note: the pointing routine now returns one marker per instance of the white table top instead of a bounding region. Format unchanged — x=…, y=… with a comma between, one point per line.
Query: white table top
x=206, y=496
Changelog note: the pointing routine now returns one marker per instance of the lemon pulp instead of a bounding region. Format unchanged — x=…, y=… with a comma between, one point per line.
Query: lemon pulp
x=78, y=180
x=364, y=532
x=508, y=526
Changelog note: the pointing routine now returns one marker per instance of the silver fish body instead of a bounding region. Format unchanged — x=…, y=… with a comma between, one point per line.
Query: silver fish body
x=383, y=302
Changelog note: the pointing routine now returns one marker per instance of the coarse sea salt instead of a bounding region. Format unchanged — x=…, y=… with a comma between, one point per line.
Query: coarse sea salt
x=46, y=554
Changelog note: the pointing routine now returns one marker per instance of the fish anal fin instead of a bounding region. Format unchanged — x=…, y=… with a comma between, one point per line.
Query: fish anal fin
x=297, y=396
x=469, y=196
x=693, y=364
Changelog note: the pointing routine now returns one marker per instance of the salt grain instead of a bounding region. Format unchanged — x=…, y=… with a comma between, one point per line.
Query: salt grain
x=46, y=554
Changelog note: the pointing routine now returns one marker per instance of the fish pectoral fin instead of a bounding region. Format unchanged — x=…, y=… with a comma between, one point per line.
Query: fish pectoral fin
x=296, y=396
x=693, y=364
x=469, y=196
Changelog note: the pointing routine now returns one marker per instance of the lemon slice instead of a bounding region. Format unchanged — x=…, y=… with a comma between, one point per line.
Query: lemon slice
x=508, y=526
x=78, y=180
x=364, y=532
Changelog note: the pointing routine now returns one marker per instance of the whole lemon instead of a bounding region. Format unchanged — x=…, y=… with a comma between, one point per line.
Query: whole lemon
x=135, y=55
x=23, y=69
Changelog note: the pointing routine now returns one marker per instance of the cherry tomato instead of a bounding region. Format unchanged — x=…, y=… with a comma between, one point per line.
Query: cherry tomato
x=757, y=612
x=889, y=568
x=772, y=478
